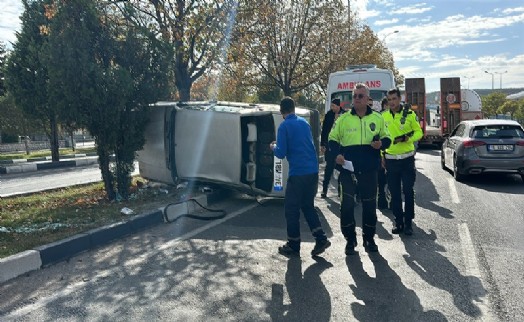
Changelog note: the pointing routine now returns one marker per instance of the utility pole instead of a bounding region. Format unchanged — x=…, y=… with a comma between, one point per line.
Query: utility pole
x=468, y=78
x=492, y=79
x=500, y=73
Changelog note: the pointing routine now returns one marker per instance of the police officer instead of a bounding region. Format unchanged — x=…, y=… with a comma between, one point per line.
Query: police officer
x=399, y=159
x=329, y=119
x=357, y=138
x=382, y=201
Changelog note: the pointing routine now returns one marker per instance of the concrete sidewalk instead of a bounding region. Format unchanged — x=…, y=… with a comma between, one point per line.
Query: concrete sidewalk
x=40, y=257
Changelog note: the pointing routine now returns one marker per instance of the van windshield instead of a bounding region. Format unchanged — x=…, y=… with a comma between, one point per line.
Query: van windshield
x=347, y=100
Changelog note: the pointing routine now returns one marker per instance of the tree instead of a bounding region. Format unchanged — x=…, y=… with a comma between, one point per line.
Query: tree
x=3, y=56
x=509, y=107
x=295, y=45
x=104, y=75
x=519, y=113
x=491, y=103
x=198, y=30
x=285, y=41
x=14, y=121
x=268, y=92
x=26, y=74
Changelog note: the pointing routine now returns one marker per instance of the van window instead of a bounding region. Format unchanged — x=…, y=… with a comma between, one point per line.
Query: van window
x=346, y=97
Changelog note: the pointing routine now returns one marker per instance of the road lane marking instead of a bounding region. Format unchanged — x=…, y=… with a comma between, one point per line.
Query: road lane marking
x=453, y=191
x=212, y=224
x=478, y=292
x=71, y=289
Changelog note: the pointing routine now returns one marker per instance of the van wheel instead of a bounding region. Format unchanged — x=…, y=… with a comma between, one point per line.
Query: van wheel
x=456, y=170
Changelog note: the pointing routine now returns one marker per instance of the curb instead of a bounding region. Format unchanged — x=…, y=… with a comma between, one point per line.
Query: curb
x=22, y=165
x=46, y=255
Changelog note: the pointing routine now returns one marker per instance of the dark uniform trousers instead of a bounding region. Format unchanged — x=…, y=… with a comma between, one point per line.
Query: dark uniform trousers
x=328, y=171
x=300, y=195
x=366, y=183
x=401, y=179
x=382, y=180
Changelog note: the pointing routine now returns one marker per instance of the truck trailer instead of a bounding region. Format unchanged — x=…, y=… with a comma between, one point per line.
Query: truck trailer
x=456, y=105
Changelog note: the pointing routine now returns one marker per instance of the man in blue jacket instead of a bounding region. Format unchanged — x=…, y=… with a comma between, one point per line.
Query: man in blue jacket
x=295, y=142
x=357, y=138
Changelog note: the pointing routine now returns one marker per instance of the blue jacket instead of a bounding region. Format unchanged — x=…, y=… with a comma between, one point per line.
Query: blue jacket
x=295, y=142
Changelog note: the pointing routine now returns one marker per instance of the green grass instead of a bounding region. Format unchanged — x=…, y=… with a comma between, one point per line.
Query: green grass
x=43, y=153
x=41, y=218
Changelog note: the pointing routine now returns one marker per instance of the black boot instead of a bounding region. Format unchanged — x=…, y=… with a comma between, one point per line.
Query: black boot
x=370, y=246
x=408, y=228
x=398, y=229
x=350, y=234
x=350, y=247
x=324, y=190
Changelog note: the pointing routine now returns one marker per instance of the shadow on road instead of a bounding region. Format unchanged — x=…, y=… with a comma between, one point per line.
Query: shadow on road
x=384, y=297
x=308, y=296
x=496, y=182
x=426, y=196
x=425, y=258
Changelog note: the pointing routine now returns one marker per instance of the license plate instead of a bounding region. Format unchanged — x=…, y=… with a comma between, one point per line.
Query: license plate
x=501, y=147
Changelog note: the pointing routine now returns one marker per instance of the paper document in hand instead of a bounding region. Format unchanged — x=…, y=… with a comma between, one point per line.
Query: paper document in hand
x=348, y=165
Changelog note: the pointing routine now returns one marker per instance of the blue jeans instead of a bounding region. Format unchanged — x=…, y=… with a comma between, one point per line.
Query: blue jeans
x=300, y=195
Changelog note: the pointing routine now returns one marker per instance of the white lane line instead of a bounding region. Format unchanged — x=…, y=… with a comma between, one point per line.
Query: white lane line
x=453, y=191
x=477, y=291
x=70, y=289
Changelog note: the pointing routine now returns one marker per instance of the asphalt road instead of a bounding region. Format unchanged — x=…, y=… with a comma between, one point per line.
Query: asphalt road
x=24, y=183
x=463, y=263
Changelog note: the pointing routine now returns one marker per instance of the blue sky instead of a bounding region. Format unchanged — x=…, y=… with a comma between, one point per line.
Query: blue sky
x=459, y=38
x=440, y=38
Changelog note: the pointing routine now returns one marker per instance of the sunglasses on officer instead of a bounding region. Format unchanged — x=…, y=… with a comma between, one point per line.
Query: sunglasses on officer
x=359, y=96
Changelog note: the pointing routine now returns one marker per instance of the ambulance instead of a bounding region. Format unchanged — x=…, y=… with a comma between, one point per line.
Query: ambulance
x=341, y=84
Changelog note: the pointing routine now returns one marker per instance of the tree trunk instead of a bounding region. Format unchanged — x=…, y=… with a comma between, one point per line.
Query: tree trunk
x=71, y=134
x=183, y=83
x=107, y=175
x=26, y=144
x=55, y=155
x=287, y=91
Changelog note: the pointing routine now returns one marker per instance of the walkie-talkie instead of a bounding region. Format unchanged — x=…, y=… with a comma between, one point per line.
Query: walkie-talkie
x=405, y=110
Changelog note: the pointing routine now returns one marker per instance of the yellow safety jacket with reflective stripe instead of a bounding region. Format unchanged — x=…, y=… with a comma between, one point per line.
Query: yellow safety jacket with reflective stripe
x=397, y=128
x=352, y=136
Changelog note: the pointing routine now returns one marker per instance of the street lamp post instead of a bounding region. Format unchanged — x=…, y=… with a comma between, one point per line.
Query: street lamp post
x=500, y=73
x=468, y=78
x=492, y=79
x=384, y=39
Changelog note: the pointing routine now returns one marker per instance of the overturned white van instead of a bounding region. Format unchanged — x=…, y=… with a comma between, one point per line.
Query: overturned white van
x=222, y=143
